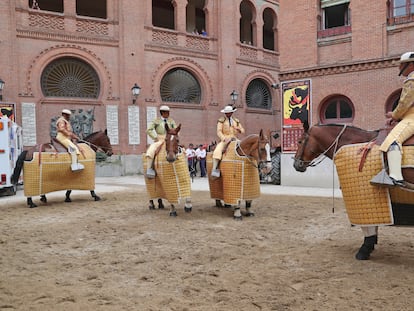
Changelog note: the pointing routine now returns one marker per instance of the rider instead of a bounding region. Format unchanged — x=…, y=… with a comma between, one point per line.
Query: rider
x=65, y=135
x=404, y=112
x=156, y=131
x=228, y=128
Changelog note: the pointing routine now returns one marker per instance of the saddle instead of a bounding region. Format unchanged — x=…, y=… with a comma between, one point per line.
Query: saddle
x=57, y=145
x=383, y=133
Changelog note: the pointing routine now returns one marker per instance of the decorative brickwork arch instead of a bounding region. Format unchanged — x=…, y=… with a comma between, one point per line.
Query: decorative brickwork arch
x=192, y=67
x=53, y=53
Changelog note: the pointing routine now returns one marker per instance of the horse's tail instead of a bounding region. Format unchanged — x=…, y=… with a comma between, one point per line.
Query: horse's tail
x=18, y=168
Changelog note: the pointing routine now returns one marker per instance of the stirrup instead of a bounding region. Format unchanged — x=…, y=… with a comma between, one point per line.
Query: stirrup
x=215, y=173
x=76, y=167
x=382, y=179
x=150, y=173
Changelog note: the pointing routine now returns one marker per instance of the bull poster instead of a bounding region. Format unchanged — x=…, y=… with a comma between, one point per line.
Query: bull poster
x=296, y=107
x=7, y=110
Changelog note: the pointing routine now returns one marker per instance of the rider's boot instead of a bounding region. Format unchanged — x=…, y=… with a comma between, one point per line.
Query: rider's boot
x=394, y=164
x=215, y=172
x=75, y=166
x=150, y=170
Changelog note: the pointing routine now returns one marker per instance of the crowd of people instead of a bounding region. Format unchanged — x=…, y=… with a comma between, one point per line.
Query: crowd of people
x=196, y=157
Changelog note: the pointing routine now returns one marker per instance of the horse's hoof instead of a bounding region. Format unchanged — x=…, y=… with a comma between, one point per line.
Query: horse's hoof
x=367, y=248
x=173, y=214
x=187, y=209
x=218, y=203
x=249, y=214
x=97, y=198
x=151, y=207
x=68, y=200
x=227, y=205
x=43, y=199
x=32, y=205
x=238, y=218
x=161, y=206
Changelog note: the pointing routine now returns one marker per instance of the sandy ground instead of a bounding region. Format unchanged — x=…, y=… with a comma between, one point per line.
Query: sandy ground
x=116, y=254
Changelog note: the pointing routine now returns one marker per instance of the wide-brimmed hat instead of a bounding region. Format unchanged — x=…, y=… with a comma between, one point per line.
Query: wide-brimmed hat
x=164, y=108
x=228, y=109
x=407, y=57
x=67, y=111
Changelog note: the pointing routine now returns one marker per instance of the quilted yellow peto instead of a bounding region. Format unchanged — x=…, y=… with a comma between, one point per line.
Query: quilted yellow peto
x=49, y=171
x=172, y=181
x=367, y=204
x=239, y=178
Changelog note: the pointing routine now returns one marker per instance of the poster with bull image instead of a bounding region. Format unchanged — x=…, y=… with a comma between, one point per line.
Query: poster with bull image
x=296, y=107
x=8, y=110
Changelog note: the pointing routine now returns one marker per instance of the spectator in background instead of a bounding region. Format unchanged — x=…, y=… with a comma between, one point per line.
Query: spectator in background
x=204, y=32
x=190, y=153
x=202, y=154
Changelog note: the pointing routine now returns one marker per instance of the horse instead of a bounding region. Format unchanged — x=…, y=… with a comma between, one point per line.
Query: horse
x=239, y=178
x=172, y=180
x=358, y=158
x=52, y=170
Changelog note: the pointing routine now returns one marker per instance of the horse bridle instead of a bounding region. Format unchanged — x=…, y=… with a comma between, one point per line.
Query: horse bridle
x=319, y=158
x=98, y=148
x=260, y=162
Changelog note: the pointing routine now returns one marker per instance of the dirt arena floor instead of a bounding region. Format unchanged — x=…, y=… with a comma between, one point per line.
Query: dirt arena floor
x=116, y=254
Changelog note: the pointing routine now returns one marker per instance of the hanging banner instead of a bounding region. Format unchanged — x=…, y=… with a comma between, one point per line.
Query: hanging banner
x=296, y=107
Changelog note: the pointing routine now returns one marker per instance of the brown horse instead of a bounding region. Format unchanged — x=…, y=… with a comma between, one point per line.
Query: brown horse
x=98, y=141
x=172, y=181
x=240, y=167
x=336, y=141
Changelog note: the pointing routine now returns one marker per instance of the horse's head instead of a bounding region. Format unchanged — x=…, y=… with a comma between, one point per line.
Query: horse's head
x=100, y=140
x=306, y=150
x=258, y=147
x=263, y=153
x=172, y=142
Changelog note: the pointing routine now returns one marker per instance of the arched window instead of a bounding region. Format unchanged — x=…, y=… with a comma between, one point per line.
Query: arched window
x=246, y=23
x=163, y=14
x=70, y=77
x=180, y=86
x=269, y=24
x=96, y=8
x=337, y=109
x=195, y=17
x=392, y=100
x=258, y=95
x=47, y=5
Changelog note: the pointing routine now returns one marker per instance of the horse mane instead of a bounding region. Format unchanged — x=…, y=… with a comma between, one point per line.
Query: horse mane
x=347, y=126
x=90, y=136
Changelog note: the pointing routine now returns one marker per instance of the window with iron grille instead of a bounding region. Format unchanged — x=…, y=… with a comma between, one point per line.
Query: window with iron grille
x=180, y=86
x=70, y=77
x=258, y=95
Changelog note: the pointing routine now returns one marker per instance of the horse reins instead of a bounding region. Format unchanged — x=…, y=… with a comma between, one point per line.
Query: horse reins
x=98, y=148
x=320, y=157
x=250, y=157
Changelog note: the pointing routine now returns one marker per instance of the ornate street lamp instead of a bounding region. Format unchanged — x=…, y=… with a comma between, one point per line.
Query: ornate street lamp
x=234, y=96
x=135, y=93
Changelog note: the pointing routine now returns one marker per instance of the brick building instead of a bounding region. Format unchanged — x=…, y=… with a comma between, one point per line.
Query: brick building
x=349, y=51
x=189, y=54
x=87, y=55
